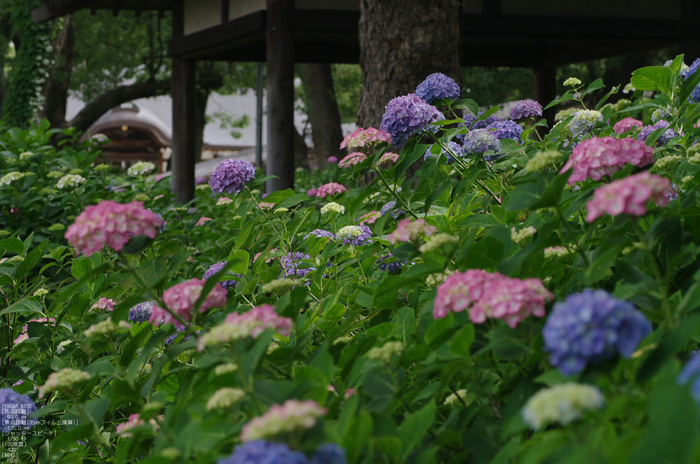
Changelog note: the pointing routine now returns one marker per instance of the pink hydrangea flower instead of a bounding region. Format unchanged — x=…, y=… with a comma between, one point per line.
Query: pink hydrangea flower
x=626, y=125
x=202, y=220
x=331, y=188
x=261, y=318
x=353, y=159
x=409, y=230
x=332, y=159
x=460, y=291
x=628, y=196
x=269, y=260
x=112, y=224
x=596, y=157
x=388, y=159
x=181, y=299
x=293, y=415
x=311, y=192
x=361, y=138
x=104, y=303
x=370, y=218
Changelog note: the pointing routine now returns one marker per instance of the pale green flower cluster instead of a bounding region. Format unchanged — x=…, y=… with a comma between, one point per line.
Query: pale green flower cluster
x=438, y=242
x=63, y=380
x=562, y=404
x=224, y=333
x=223, y=201
x=13, y=260
x=385, y=352
x=225, y=368
x=62, y=346
x=332, y=207
x=345, y=339
x=542, y=159
x=280, y=211
x=687, y=179
x=54, y=175
x=563, y=114
x=41, y=293
x=551, y=252
x=140, y=169
x=4, y=233
x=433, y=280
x=102, y=168
x=278, y=286
x=572, y=81
x=292, y=416
x=105, y=327
x=75, y=171
x=25, y=155
x=628, y=88
x=203, y=187
x=10, y=177
x=70, y=180
x=667, y=162
x=519, y=236
x=695, y=159
x=225, y=398
x=621, y=104
x=632, y=248
x=48, y=191
x=348, y=232
x=56, y=227
x=454, y=398
x=171, y=454
x=141, y=197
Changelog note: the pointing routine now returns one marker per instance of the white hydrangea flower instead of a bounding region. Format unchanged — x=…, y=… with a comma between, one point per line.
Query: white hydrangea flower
x=70, y=180
x=628, y=88
x=572, y=81
x=519, y=236
x=10, y=177
x=385, y=352
x=348, y=232
x=433, y=280
x=562, y=404
x=225, y=398
x=54, y=174
x=278, y=286
x=543, y=159
x=551, y=252
x=345, y=339
x=454, y=398
x=25, y=155
x=291, y=416
x=105, y=327
x=140, y=169
x=65, y=379
x=225, y=368
x=223, y=201
x=332, y=207
x=224, y=333
x=438, y=242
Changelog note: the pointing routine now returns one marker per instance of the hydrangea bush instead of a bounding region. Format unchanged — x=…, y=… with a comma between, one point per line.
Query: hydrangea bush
x=526, y=294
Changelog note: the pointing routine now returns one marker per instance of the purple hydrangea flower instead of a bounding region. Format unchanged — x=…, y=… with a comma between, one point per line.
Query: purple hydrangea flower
x=395, y=213
x=320, y=233
x=665, y=137
x=438, y=86
x=159, y=216
x=231, y=175
x=393, y=267
x=362, y=238
x=14, y=409
x=407, y=115
x=214, y=268
x=471, y=123
x=480, y=140
x=454, y=146
x=171, y=338
x=291, y=265
x=264, y=452
x=691, y=373
x=141, y=312
x=526, y=109
x=329, y=453
x=592, y=326
x=506, y=130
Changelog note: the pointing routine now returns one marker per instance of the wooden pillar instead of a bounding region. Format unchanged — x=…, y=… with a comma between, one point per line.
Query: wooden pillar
x=544, y=89
x=280, y=95
x=184, y=98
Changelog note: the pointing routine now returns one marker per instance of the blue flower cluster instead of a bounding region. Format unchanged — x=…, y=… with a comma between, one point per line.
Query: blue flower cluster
x=479, y=141
x=470, y=122
x=14, y=409
x=592, y=326
x=231, y=175
x=214, y=268
x=389, y=206
x=141, y=312
x=320, y=233
x=264, y=452
x=393, y=267
x=361, y=239
x=407, y=115
x=506, y=130
x=695, y=94
x=526, y=109
x=291, y=265
x=665, y=137
x=438, y=86
x=691, y=373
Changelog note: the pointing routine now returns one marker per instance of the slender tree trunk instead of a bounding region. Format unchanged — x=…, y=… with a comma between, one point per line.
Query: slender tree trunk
x=202, y=96
x=324, y=115
x=56, y=86
x=402, y=42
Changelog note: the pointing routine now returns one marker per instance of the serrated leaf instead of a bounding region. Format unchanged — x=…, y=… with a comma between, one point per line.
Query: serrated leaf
x=657, y=78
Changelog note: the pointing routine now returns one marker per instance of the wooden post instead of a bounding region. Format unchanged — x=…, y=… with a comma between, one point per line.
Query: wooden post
x=544, y=89
x=280, y=95
x=184, y=140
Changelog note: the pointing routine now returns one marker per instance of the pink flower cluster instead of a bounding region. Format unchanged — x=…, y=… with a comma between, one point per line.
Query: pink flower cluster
x=626, y=125
x=491, y=295
x=112, y=224
x=596, y=157
x=370, y=218
x=330, y=189
x=353, y=159
x=409, y=230
x=104, y=303
x=364, y=138
x=181, y=299
x=202, y=220
x=628, y=196
x=24, y=335
x=388, y=160
x=293, y=415
x=261, y=318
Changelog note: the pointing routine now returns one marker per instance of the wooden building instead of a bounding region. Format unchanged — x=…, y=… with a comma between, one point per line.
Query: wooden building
x=540, y=34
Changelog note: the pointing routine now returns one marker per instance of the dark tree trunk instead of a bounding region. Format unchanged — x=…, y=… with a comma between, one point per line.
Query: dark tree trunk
x=324, y=115
x=201, y=96
x=301, y=151
x=56, y=86
x=402, y=42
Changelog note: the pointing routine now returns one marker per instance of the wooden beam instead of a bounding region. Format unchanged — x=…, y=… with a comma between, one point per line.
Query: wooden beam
x=280, y=95
x=224, y=11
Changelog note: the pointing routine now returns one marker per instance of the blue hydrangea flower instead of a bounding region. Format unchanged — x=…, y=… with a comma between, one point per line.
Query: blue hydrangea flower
x=407, y=115
x=392, y=267
x=438, y=86
x=231, y=176
x=141, y=312
x=471, y=123
x=506, y=130
x=264, y=452
x=583, y=121
x=171, y=338
x=395, y=213
x=691, y=373
x=361, y=239
x=329, y=453
x=320, y=233
x=480, y=140
x=14, y=409
x=665, y=137
x=592, y=326
x=526, y=109
x=291, y=265
x=456, y=148
x=214, y=268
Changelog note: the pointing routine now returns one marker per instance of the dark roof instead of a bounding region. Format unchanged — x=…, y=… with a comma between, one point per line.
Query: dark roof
x=54, y=8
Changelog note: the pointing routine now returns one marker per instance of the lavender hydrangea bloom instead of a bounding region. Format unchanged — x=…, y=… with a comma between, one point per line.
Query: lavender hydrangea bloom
x=171, y=338
x=665, y=137
x=506, y=130
x=231, y=175
x=141, y=312
x=395, y=213
x=408, y=115
x=361, y=239
x=453, y=146
x=481, y=140
x=592, y=326
x=14, y=409
x=291, y=266
x=264, y=452
x=393, y=267
x=214, y=268
x=471, y=123
x=438, y=86
x=329, y=453
x=691, y=373
x=526, y=109
x=320, y=233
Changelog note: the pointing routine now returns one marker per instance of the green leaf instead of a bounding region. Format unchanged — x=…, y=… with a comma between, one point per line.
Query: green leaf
x=524, y=196
x=280, y=195
x=657, y=78
x=292, y=201
x=689, y=85
x=462, y=341
x=252, y=358
x=25, y=306
x=411, y=153
x=468, y=104
x=414, y=428
x=239, y=262
x=669, y=346
x=405, y=323
x=13, y=245
x=31, y=260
